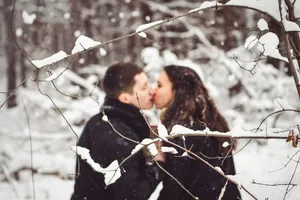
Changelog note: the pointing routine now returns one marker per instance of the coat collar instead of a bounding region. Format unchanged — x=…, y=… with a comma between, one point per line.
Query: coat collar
x=129, y=114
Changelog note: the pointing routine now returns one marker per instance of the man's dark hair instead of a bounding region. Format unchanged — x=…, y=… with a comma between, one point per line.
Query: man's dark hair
x=119, y=78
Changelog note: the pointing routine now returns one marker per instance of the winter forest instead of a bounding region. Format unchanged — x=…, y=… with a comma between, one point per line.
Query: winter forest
x=54, y=54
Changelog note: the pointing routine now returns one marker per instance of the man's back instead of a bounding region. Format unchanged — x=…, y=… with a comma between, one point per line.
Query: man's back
x=138, y=180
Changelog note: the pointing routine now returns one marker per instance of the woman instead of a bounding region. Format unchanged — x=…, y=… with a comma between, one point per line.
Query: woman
x=185, y=101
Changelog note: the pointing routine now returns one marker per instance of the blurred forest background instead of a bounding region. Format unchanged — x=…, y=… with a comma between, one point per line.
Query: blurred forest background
x=57, y=24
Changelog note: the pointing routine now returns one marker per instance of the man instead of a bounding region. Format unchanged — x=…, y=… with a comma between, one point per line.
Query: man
x=127, y=91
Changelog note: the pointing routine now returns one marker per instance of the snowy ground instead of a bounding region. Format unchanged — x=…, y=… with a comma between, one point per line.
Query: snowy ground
x=55, y=163
x=254, y=163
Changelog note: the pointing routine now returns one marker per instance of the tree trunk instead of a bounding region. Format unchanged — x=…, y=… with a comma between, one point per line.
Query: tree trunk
x=23, y=68
x=74, y=20
x=10, y=50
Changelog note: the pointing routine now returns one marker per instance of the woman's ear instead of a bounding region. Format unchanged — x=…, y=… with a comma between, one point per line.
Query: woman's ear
x=124, y=98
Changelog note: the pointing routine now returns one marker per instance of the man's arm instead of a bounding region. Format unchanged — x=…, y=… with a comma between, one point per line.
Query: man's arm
x=138, y=180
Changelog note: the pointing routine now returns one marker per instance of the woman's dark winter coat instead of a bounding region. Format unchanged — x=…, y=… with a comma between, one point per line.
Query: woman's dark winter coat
x=138, y=179
x=197, y=177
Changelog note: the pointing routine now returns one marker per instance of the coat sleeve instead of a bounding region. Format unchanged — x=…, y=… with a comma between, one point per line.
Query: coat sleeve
x=138, y=180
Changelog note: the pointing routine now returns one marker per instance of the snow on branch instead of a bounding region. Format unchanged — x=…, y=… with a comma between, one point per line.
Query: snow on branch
x=144, y=27
x=149, y=143
x=267, y=44
x=206, y=4
x=236, y=132
x=50, y=60
x=82, y=43
x=151, y=147
x=111, y=174
x=162, y=131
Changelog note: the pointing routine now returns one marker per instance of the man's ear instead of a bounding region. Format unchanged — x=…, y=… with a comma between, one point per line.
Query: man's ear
x=124, y=98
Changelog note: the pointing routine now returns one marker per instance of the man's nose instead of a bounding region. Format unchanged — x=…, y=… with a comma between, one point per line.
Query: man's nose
x=151, y=91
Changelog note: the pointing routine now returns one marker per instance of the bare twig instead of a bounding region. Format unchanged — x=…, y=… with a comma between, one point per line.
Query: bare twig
x=11, y=93
x=9, y=179
x=180, y=184
x=31, y=154
x=116, y=131
x=287, y=188
x=272, y=184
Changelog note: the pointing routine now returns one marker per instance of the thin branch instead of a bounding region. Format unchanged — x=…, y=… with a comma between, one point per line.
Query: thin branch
x=11, y=93
x=112, y=126
x=58, y=110
x=287, y=188
x=9, y=179
x=273, y=184
x=248, y=70
x=180, y=184
x=285, y=164
x=31, y=155
x=276, y=112
x=212, y=167
x=73, y=96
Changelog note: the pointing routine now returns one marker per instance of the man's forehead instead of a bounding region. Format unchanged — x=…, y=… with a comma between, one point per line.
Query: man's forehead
x=141, y=78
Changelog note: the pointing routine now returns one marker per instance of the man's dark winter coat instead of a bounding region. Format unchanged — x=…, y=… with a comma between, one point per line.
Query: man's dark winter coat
x=197, y=177
x=138, y=180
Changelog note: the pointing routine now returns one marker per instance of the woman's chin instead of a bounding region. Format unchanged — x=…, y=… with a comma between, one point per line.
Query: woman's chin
x=158, y=106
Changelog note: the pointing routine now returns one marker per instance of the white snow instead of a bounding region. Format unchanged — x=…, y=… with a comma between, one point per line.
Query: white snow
x=28, y=18
x=82, y=43
x=19, y=32
x=67, y=15
x=262, y=25
x=235, y=132
x=251, y=41
x=225, y=144
x=111, y=173
x=102, y=51
x=268, y=44
x=149, y=144
x=104, y=118
x=49, y=60
x=219, y=169
x=171, y=150
x=144, y=27
x=162, y=131
x=206, y=4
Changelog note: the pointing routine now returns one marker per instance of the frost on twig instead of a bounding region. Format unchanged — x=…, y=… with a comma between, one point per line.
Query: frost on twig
x=111, y=174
